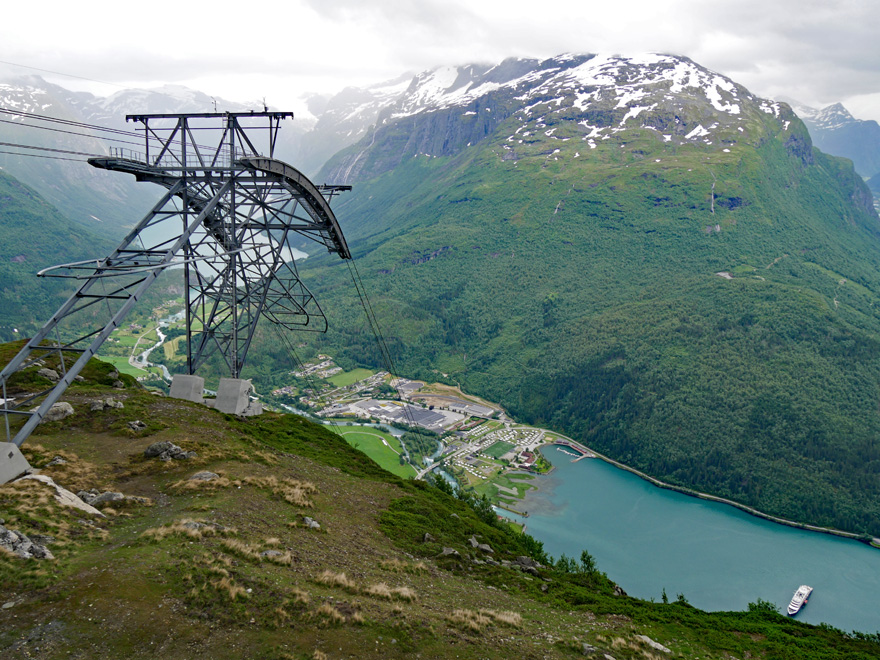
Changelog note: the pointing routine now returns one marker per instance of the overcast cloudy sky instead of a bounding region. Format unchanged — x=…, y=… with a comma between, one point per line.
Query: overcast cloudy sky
x=816, y=51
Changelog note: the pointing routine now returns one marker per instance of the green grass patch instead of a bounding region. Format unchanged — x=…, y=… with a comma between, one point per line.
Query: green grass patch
x=498, y=449
x=125, y=340
x=506, y=488
x=122, y=365
x=170, y=348
x=383, y=448
x=349, y=377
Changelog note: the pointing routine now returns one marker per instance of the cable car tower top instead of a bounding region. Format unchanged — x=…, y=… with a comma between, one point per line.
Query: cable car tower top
x=227, y=219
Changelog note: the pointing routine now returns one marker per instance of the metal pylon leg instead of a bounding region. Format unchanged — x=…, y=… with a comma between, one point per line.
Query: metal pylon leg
x=130, y=271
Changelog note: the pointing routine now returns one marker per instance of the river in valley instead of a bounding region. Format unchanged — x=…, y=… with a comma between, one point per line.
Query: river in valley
x=720, y=558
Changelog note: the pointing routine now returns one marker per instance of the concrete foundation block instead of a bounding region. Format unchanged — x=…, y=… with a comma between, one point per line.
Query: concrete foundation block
x=253, y=408
x=190, y=388
x=232, y=395
x=12, y=463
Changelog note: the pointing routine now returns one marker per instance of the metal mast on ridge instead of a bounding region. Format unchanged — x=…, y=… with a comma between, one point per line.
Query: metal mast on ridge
x=227, y=220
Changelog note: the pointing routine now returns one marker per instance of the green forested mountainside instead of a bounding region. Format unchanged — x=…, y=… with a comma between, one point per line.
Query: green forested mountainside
x=35, y=235
x=707, y=313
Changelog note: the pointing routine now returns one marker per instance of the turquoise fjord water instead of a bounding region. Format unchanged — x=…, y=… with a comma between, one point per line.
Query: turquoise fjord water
x=647, y=539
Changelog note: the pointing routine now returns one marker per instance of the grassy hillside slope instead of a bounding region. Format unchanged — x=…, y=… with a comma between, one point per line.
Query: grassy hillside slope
x=230, y=568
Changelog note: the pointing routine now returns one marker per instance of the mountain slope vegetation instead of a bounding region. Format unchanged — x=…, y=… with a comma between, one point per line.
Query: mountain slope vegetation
x=227, y=563
x=35, y=235
x=639, y=253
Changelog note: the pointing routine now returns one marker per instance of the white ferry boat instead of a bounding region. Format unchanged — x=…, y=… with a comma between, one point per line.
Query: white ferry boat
x=799, y=599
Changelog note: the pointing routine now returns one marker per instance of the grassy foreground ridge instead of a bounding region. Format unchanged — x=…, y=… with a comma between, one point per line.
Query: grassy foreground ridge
x=230, y=567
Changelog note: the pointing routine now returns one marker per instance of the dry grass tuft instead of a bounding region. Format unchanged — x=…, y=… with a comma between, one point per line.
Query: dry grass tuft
x=329, y=614
x=228, y=587
x=209, y=559
x=469, y=619
x=513, y=619
x=288, y=607
x=320, y=655
x=398, y=566
x=74, y=474
x=382, y=590
x=272, y=542
x=404, y=593
x=284, y=559
x=203, y=485
x=331, y=579
x=266, y=457
x=28, y=498
x=291, y=491
x=194, y=529
x=241, y=549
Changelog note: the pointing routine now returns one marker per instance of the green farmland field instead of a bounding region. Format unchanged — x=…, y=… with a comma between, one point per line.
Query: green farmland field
x=348, y=377
x=370, y=441
x=498, y=449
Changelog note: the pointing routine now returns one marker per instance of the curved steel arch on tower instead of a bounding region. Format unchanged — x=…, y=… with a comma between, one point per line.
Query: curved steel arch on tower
x=227, y=219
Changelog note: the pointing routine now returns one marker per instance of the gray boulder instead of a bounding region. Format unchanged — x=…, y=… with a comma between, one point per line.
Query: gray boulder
x=63, y=496
x=57, y=412
x=310, y=523
x=657, y=646
x=21, y=546
x=94, y=497
x=49, y=374
x=204, y=476
x=106, y=404
x=522, y=560
x=137, y=425
x=427, y=538
x=449, y=552
x=166, y=451
x=108, y=496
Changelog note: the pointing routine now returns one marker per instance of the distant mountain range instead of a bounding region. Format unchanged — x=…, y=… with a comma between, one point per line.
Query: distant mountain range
x=835, y=131
x=636, y=251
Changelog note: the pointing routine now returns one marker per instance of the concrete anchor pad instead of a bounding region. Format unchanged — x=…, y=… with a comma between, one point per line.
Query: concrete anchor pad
x=190, y=388
x=12, y=463
x=232, y=396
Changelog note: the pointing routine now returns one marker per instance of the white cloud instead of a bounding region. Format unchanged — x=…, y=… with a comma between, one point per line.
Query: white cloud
x=819, y=51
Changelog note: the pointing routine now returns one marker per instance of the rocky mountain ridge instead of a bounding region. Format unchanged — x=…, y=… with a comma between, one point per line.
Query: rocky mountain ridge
x=598, y=96
x=835, y=131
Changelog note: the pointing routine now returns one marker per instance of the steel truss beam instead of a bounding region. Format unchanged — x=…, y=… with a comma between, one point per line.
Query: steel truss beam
x=227, y=220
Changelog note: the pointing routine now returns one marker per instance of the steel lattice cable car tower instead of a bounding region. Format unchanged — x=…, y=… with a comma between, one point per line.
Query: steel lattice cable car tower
x=227, y=220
